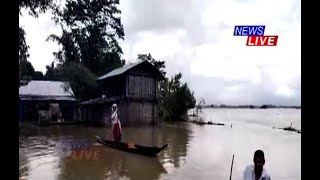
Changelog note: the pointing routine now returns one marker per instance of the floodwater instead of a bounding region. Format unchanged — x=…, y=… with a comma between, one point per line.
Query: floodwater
x=194, y=152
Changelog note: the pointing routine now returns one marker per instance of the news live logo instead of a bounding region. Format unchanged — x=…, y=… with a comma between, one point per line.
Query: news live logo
x=77, y=149
x=255, y=35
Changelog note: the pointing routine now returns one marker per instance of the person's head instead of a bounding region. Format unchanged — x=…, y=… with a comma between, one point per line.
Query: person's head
x=114, y=107
x=258, y=159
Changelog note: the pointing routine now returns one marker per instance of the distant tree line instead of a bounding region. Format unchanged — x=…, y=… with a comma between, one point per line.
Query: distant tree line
x=265, y=106
x=89, y=48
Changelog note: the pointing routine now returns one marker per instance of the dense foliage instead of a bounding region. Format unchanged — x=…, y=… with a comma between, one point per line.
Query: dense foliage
x=80, y=78
x=90, y=34
x=89, y=41
x=175, y=97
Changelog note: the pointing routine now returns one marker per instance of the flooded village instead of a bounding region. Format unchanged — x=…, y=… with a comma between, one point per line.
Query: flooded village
x=133, y=87
x=116, y=90
x=57, y=136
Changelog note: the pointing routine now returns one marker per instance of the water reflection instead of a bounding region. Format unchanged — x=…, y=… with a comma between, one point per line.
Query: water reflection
x=110, y=164
x=78, y=166
x=178, y=137
x=44, y=149
x=37, y=158
x=23, y=164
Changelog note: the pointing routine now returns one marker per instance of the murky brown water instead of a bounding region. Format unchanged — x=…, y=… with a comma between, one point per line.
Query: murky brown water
x=42, y=157
x=194, y=152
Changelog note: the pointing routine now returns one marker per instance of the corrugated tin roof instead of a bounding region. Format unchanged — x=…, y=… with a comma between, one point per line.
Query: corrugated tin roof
x=46, y=88
x=120, y=70
x=48, y=98
x=101, y=100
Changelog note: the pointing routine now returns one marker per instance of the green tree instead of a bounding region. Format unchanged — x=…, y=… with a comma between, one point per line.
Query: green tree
x=91, y=30
x=175, y=97
x=26, y=70
x=23, y=47
x=160, y=65
x=80, y=78
x=52, y=73
x=69, y=52
x=34, y=7
x=89, y=40
x=38, y=75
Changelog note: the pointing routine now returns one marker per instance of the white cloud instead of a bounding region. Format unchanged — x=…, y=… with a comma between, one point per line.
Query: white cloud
x=285, y=91
x=37, y=31
x=159, y=45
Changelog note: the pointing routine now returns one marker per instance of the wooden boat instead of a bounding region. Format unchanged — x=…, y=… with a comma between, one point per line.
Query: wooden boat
x=132, y=148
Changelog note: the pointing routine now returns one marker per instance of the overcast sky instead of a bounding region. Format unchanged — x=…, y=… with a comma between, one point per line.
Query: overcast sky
x=195, y=37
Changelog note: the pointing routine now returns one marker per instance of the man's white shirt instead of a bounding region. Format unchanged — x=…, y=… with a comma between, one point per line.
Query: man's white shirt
x=249, y=174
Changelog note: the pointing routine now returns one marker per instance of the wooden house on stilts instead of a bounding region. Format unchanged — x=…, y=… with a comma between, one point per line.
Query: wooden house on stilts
x=134, y=88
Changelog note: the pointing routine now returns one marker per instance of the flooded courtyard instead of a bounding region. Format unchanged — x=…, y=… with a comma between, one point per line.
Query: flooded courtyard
x=194, y=152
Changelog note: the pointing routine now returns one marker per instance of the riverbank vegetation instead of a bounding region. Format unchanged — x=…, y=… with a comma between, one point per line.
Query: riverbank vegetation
x=175, y=96
x=265, y=106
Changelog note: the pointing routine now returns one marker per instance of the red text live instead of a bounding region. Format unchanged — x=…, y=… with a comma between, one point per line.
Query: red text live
x=262, y=40
x=85, y=155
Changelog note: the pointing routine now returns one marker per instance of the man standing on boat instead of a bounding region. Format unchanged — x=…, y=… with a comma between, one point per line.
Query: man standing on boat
x=257, y=171
x=116, y=125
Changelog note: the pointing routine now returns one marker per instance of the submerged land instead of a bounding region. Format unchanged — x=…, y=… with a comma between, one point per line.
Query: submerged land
x=198, y=152
x=266, y=106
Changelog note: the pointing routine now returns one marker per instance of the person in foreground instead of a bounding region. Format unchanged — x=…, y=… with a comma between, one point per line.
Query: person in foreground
x=257, y=171
x=116, y=124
